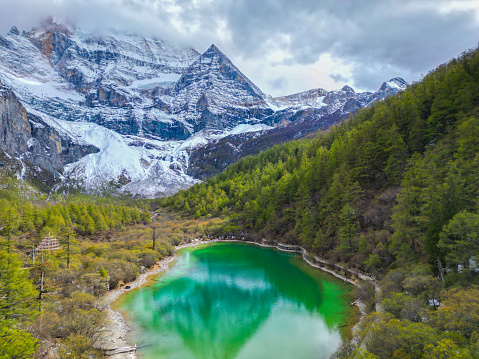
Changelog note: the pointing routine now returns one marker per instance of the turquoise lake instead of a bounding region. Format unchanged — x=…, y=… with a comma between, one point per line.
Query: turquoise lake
x=239, y=301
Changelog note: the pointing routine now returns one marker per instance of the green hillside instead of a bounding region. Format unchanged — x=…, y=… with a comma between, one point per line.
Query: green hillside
x=377, y=189
x=393, y=191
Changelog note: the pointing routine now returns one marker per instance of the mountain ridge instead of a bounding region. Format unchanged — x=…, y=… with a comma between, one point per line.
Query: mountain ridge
x=163, y=103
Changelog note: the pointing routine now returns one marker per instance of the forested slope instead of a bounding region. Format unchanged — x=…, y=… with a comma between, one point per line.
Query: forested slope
x=394, y=191
x=51, y=301
x=378, y=188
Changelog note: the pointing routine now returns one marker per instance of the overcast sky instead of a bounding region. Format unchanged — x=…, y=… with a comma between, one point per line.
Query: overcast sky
x=287, y=46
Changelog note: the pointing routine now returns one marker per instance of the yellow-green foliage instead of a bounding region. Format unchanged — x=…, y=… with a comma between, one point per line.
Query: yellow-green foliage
x=450, y=331
x=84, y=215
x=174, y=228
x=103, y=243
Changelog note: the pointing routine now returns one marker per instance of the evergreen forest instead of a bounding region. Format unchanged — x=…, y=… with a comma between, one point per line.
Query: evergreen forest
x=392, y=191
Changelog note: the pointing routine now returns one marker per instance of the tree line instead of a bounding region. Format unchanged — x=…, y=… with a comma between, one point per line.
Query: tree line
x=85, y=215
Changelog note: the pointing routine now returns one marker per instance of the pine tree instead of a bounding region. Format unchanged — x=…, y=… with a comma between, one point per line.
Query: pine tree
x=16, y=290
x=348, y=229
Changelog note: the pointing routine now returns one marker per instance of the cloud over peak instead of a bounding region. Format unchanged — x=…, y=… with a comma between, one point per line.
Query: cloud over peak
x=286, y=46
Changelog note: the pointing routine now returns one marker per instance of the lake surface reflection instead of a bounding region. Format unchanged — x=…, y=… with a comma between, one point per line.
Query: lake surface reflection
x=239, y=301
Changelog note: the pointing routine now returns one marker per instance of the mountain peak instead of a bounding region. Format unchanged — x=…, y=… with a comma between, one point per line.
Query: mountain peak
x=213, y=61
x=214, y=51
x=396, y=83
x=14, y=30
x=346, y=88
x=213, y=48
x=217, y=94
x=398, y=80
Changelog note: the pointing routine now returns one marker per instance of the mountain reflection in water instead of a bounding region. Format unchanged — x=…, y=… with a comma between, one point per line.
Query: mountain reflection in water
x=232, y=301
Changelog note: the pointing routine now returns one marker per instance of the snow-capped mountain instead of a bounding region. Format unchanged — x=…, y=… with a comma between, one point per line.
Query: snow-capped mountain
x=312, y=98
x=127, y=112
x=326, y=103
x=389, y=88
x=214, y=94
x=110, y=79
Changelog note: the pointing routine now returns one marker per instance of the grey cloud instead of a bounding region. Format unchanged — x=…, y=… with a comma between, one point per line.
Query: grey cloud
x=339, y=78
x=374, y=36
x=279, y=83
x=380, y=39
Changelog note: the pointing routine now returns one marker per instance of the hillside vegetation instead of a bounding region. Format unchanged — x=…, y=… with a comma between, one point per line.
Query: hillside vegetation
x=50, y=301
x=379, y=188
x=392, y=191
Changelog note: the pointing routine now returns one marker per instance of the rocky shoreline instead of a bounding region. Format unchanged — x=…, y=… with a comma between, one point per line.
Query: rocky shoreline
x=115, y=342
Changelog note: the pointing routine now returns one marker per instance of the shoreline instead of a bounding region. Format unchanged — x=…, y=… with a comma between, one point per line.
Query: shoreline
x=304, y=254
x=115, y=336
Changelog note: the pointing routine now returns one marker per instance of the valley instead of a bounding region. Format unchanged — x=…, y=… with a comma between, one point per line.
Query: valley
x=116, y=148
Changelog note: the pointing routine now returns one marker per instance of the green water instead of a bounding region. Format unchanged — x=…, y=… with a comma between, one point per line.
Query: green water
x=239, y=301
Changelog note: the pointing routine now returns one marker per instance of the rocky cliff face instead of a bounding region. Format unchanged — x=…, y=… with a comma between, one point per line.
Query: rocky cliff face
x=33, y=142
x=214, y=94
x=130, y=112
x=50, y=150
x=15, y=129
